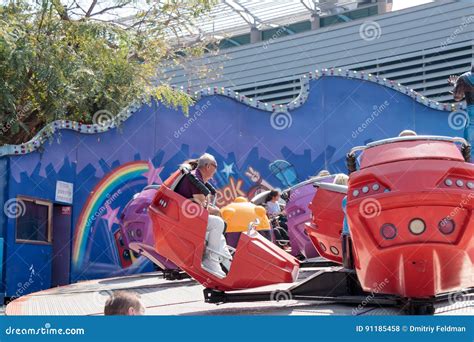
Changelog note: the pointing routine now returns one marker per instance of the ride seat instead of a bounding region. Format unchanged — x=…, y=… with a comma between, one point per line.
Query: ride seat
x=257, y=262
x=185, y=172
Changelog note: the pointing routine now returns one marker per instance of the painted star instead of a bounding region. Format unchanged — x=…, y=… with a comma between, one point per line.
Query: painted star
x=111, y=216
x=153, y=174
x=228, y=169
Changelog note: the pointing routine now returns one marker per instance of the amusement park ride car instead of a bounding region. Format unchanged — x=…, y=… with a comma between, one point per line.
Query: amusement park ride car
x=411, y=238
x=298, y=213
x=298, y=198
x=137, y=232
x=181, y=237
x=420, y=239
x=137, y=237
x=325, y=226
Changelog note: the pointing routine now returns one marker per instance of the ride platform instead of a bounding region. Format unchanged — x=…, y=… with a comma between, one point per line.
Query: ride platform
x=185, y=297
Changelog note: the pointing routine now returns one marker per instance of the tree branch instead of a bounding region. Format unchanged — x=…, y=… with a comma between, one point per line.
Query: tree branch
x=109, y=9
x=91, y=8
x=60, y=9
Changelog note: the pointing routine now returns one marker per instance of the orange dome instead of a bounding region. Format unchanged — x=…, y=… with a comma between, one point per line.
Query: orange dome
x=241, y=212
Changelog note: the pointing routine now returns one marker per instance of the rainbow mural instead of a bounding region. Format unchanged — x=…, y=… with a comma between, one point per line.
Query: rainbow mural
x=111, y=183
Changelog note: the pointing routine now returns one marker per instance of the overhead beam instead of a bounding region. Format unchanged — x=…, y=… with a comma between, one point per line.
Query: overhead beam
x=248, y=17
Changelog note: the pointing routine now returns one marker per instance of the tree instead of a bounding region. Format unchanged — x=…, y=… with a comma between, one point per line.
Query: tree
x=71, y=59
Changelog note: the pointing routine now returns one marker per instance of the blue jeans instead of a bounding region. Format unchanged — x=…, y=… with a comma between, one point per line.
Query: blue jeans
x=345, y=225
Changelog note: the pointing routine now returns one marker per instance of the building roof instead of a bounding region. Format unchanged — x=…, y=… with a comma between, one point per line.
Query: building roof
x=233, y=17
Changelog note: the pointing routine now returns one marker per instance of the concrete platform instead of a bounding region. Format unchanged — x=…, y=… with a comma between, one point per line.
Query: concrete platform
x=185, y=297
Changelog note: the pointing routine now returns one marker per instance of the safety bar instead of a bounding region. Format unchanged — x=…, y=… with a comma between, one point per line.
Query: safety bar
x=152, y=186
x=256, y=199
x=332, y=187
x=252, y=226
x=351, y=157
x=410, y=138
x=308, y=181
x=224, y=256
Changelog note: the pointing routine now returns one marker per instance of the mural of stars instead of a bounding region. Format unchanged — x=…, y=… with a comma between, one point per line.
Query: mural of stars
x=111, y=216
x=228, y=169
x=153, y=174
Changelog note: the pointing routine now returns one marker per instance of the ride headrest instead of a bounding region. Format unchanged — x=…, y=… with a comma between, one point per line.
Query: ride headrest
x=332, y=187
x=185, y=168
x=152, y=186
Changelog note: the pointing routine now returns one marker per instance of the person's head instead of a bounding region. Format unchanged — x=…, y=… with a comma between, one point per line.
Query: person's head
x=323, y=173
x=273, y=196
x=124, y=303
x=341, y=179
x=407, y=133
x=207, y=165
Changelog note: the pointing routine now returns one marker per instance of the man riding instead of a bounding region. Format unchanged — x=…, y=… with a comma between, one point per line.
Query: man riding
x=217, y=250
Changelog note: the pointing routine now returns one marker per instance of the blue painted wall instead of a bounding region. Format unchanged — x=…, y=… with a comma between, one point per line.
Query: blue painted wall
x=4, y=172
x=254, y=148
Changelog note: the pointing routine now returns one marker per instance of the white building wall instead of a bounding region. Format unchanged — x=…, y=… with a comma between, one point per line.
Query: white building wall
x=419, y=46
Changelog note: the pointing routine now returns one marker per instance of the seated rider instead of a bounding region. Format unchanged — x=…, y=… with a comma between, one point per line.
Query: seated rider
x=342, y=179
x=216, y=251
x=274, y=212
x=323, y=173
x=407, y=133
x=271, y=202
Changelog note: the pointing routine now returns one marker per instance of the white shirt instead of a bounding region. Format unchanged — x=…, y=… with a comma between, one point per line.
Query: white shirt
x=273, y=208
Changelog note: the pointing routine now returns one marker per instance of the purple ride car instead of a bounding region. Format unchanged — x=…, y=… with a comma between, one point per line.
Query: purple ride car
x=137, y=230
x=298, y=198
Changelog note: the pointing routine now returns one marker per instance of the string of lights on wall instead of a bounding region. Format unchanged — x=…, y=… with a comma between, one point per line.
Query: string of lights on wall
x=49, y=130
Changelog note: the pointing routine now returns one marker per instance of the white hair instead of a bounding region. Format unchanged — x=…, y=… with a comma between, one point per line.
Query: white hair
x=407, y=133
x=323, y=173
x=341, y=179
x=206, y=159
